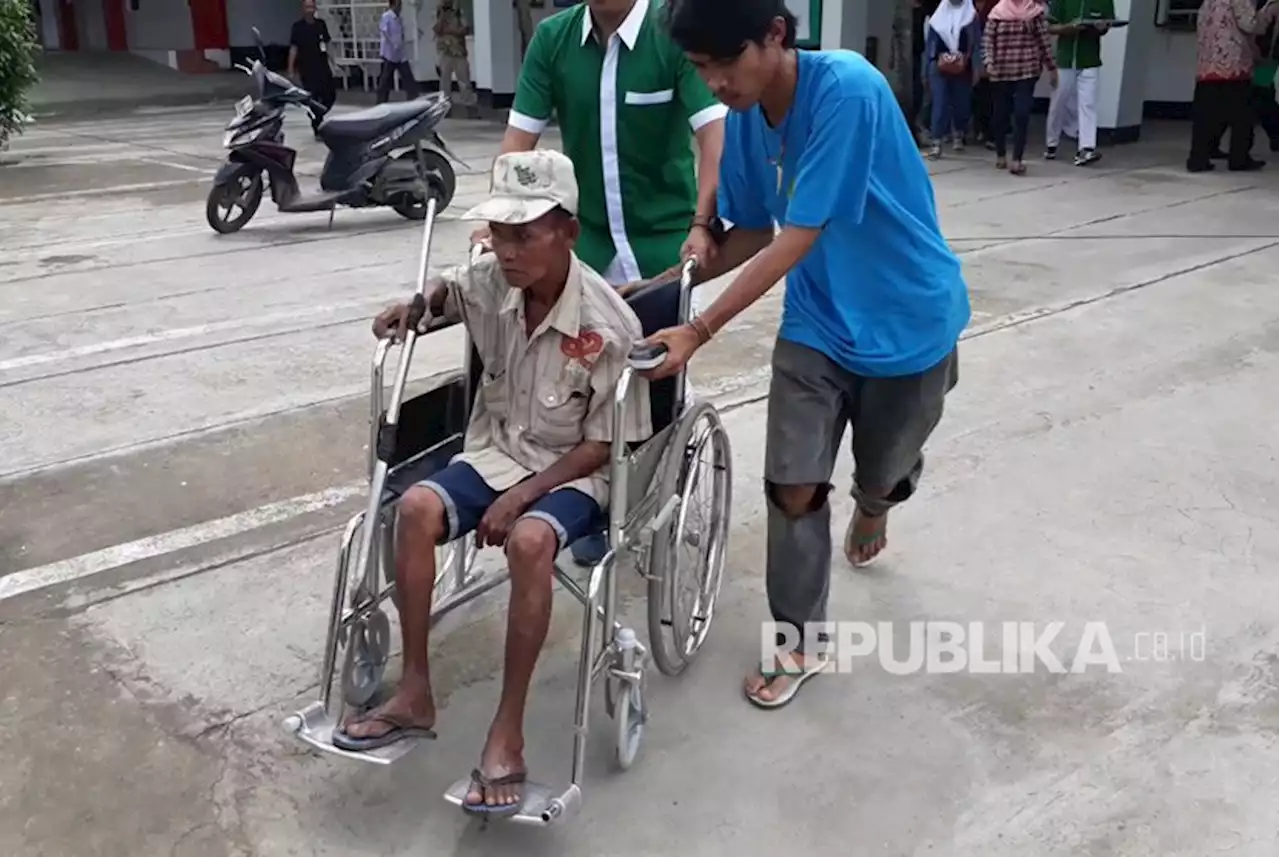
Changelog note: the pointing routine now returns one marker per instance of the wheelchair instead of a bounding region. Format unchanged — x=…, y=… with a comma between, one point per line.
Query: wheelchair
x=653, y=523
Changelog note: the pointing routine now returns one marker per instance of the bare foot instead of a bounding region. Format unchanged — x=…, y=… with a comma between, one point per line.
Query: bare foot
x=768, y=689
x=502, y=772
x=865, y=538
x=413, y=709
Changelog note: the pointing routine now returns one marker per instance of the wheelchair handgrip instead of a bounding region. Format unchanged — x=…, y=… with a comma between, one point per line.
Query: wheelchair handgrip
x=645, y=357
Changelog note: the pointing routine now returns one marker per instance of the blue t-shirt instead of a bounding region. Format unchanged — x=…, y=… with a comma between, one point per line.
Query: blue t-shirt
x=880, y=292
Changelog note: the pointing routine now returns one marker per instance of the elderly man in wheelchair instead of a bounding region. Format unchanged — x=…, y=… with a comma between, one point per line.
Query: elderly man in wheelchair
x=532, y=478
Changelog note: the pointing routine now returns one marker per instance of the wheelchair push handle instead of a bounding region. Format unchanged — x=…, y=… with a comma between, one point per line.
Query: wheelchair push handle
x=644, y=357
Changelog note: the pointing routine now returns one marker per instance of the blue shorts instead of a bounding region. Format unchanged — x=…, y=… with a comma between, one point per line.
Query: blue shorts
x=466, y=497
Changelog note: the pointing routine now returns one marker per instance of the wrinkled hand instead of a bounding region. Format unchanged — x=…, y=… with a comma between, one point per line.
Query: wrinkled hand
x=681, y=343
x=496, y=524
x=699, y=245
x=481, y=237
x=392, y=322
x=1053, y=79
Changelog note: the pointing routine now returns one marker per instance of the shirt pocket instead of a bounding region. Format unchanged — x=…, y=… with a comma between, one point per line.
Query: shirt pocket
x=561, y=412
x=641, y=99
x=493, y=392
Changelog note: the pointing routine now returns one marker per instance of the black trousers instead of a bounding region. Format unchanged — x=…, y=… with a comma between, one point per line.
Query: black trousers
x=389, y=70
x=323, y=89
x=984, y=109
x=1013, y=101
x=1217, y=107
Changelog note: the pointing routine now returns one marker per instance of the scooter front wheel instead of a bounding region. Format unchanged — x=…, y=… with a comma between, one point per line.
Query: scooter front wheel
x=437, y=176
x=242, y=194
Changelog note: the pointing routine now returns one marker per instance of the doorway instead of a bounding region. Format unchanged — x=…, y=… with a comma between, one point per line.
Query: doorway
x=113, y=18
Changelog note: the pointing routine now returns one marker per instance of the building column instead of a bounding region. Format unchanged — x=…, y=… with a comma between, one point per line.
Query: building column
x=496, y=62
x=1122, y=82
x=844, y=25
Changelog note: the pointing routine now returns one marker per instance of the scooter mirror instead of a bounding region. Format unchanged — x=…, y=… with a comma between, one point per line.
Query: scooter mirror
x=257, y=38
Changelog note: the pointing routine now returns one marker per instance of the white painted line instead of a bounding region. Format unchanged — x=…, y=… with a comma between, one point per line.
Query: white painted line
x=89, y=564
x=204, y=171
x=299, y=321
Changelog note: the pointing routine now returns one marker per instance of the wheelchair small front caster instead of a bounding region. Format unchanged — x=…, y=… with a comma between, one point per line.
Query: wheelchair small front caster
x=366, y=661
x=629, y=705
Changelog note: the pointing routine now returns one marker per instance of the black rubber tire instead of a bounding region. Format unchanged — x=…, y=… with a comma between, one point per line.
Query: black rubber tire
x=444, y=187
x=217, y=194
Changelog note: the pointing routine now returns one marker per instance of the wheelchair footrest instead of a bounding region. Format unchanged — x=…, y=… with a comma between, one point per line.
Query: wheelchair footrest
x=314, y=726
x=542, y=805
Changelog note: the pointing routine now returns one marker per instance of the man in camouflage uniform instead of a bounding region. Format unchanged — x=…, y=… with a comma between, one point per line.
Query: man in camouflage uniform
x=451, y=31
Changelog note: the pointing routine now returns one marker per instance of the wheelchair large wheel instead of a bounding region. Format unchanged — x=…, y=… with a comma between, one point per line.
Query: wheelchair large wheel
x=686, y=556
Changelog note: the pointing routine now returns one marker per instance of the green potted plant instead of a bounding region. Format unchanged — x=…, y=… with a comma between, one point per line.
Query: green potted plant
x=18, y=49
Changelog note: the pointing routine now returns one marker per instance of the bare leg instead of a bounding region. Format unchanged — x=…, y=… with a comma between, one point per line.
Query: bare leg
x=531, y=551
x=421, y=527
x=795, y=502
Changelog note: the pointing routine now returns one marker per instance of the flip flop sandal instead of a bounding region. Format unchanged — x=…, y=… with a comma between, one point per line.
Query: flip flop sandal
x=399, y=731
x=851, y=540
x=799, y=678
x=485, y=783
x=1018, y=169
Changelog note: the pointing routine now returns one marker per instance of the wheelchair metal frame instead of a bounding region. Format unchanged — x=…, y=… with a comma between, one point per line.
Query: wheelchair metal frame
x=634, y=516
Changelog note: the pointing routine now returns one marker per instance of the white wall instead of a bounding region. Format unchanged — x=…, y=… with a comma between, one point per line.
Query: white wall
x=1171, y=67
x=159, y=25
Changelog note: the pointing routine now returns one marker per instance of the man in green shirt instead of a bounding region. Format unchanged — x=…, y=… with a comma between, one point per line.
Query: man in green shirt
x=629, y=105
x=627, y=102
x=1079, y=26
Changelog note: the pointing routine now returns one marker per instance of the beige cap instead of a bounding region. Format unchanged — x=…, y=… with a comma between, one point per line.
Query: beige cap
x=527, y=185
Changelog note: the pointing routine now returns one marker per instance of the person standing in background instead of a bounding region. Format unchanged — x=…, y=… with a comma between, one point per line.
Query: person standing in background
x=1225, y=33
x=1079, y=26
x=394, y=57
x=1016, y=50
x=950, y=42
x=982, y=89
x=309, y=62
x=451, y=31
x=1264, y=84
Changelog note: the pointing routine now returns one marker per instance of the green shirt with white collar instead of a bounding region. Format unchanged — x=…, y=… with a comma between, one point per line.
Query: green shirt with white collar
x=627, y=112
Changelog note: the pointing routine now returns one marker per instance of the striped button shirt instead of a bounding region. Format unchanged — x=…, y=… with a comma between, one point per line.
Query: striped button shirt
x=542, y=395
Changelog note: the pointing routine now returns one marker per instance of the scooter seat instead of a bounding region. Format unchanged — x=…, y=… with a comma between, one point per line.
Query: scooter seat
x=369, y=123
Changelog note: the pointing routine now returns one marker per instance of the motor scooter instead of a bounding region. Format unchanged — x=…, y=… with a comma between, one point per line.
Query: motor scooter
x=389, y=155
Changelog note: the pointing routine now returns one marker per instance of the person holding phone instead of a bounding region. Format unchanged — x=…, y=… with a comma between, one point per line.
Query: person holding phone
x=1079, y=26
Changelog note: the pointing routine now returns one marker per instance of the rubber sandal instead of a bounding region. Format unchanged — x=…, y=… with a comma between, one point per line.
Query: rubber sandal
x=483, y=783
x=1018, y=169
x=400, y=730
x=851, y=540
x=799, y=678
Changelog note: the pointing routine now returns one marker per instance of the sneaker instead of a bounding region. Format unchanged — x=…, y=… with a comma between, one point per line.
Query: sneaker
x=957, y=143
x=935, y=151
x=1084, y=157
x=1050, y=153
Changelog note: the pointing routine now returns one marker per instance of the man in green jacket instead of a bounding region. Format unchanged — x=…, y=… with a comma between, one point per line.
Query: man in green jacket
x=1079, y=26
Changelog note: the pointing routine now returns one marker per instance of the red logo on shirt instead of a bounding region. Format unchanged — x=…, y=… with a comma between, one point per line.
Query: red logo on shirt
x=585, y=349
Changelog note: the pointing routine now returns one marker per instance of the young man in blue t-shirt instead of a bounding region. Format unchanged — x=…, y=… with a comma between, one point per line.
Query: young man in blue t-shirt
x=815, y=143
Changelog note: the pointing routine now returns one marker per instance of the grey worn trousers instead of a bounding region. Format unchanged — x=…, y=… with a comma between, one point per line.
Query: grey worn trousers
x=812, y=400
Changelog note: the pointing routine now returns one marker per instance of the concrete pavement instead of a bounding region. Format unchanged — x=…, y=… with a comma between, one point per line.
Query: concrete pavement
x=185, y=421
